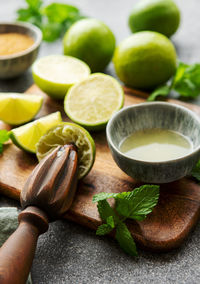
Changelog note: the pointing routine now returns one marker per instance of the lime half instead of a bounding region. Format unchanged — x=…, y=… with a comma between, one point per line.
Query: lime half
x=17, y=108
x=26, y=136
x=67, y=133
x=93, y=101
x=54, y=74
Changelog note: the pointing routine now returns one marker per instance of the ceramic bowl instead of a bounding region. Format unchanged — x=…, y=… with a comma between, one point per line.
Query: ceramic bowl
x=154, y=115
x=16, y=64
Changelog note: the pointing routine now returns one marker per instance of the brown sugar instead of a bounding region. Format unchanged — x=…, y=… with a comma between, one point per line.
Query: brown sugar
x=11, y=43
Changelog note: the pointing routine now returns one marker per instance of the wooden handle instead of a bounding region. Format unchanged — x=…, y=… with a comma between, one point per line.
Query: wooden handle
x=17, y=253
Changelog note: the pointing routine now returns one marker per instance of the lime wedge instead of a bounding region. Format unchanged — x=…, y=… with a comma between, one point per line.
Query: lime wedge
x=26, y=136
x=67, y=133
x=54, y=74
x=17, y=108
x=93, y=101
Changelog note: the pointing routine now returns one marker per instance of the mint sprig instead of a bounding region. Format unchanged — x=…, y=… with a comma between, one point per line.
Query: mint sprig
x=4, y=136
x=196, y=171
x=53, y=19
x=186, y=82
x=136, y=204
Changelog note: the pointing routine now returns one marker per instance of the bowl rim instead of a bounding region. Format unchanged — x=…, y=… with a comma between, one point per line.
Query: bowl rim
x=28, y=26
x=114, y=116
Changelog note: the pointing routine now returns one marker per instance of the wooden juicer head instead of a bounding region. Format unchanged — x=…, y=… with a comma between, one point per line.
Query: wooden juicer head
x=52, y=184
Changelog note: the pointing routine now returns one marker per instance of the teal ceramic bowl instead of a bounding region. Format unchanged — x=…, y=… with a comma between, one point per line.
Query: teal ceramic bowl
x=15, y=64
x=154, y=115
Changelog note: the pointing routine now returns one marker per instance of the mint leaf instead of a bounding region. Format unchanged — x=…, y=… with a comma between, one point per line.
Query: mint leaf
x=24, y=14
x=4, y=136
x=111, y=222
x=187, y=80
x=179, y=72
x=196, y=171
x=103, y=229
x=134, y=204
x=27, y=15
x=58, y=12
x=53, y=19
x=34, y=4
x=160, y=91
x=31, y=13
x=125, y=240
x=105, y=210
x=51, y=31
x=139, y=202
x=102, y=196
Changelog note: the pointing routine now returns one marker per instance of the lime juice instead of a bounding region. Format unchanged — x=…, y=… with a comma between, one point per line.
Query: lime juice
x=156, y=145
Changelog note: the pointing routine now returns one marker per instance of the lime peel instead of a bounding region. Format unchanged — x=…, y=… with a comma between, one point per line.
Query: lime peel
x=26, y=136
x=91, y=41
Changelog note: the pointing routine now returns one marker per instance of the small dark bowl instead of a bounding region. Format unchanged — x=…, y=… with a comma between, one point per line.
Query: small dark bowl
x=154, y=115
x=16, y=64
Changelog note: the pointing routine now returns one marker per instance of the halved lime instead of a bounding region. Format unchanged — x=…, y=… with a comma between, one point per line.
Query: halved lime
x=17, y=108
x=27, y=136
x=67, y=133
x=93, y=101
x=54, y=74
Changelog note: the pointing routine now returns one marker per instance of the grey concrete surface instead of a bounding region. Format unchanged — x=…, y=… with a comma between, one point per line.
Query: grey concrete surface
x=71, y=254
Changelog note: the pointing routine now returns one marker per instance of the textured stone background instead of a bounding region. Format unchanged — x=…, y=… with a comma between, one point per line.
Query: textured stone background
x=71, y=254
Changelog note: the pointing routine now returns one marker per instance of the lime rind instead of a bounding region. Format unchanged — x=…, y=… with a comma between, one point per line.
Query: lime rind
x=15, y=140
x=67, y=133
x=100, y=123
x=16, y=108
x=26, y=136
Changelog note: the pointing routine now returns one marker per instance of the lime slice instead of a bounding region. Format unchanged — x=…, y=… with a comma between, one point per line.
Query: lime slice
x=67, y=133
x=93, y=101
x=26, y=136
x=17, y=108
x=54, y=74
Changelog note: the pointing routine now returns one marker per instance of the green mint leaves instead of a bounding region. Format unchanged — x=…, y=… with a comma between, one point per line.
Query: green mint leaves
x=163, y=91
x=136, y=204
x=125, y=239
x=196, y=171
x=53, y=19
x=186, y=82
x=31, y=13
x=4, y=136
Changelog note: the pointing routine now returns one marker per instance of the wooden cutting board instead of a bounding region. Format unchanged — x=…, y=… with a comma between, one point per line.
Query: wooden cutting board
x=165, y=228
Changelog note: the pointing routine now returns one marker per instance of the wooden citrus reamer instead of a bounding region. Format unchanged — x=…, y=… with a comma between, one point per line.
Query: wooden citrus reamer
x=47, y=195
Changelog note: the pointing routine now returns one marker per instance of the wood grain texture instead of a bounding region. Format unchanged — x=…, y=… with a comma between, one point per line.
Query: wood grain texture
x=165, y=228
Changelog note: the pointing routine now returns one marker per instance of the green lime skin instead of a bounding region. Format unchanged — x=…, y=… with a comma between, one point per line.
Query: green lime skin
x=91, y=41
x=162, y=16
x=56, y=91
x=145, y=60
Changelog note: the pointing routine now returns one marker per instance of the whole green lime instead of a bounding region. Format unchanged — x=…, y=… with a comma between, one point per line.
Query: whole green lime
x=145, y=60
x=91, y=41
x=162, y=16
